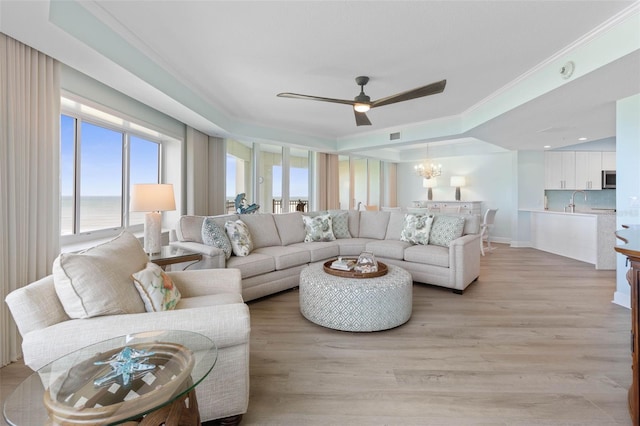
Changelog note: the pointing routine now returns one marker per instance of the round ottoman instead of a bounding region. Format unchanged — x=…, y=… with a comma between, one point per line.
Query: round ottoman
x=356, y=304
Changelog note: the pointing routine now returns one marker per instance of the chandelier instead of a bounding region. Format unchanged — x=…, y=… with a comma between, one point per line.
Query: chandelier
x=429, y=171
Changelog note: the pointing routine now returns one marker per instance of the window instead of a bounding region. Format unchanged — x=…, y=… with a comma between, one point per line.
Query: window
x=100, y=161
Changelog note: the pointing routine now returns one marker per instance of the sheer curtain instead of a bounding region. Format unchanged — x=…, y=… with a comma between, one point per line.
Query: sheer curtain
x=29, y=175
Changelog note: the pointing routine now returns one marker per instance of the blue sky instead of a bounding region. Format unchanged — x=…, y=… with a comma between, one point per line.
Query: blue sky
x=101, y=160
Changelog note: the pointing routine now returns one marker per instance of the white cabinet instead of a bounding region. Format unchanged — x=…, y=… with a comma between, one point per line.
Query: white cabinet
x=559, y=170
x=588, y=170
x=609, y=160
x=469, y=207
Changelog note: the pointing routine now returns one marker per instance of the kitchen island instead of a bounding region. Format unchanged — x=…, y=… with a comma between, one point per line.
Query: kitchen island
x=588, y=236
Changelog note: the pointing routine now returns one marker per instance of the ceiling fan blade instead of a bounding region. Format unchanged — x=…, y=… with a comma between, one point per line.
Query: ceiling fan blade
x=430, y=89
x=315, y=98
x=361, y=119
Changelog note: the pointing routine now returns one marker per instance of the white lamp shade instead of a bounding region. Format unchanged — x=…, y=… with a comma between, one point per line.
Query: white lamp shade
x=458, y=181
x=152, y=197
x=429, y=183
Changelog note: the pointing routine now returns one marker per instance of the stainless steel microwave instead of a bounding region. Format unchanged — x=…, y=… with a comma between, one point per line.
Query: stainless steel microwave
x=608, y=179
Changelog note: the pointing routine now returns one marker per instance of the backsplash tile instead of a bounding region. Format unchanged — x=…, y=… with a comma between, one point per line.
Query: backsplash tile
x=559, y=199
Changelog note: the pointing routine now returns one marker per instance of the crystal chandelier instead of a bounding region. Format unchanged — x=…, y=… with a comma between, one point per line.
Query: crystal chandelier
x=428, y=171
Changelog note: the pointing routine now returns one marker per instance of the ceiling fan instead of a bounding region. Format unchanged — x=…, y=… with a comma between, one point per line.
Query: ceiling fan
x=362, y=103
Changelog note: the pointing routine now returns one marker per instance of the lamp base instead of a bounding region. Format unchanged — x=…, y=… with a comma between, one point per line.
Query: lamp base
x=457, y=193
x=152, y=232
x=429, y=194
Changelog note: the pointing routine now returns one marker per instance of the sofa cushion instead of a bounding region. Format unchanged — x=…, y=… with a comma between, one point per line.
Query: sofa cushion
x=285, y=257
x=98, y=281
x=290, y=227
x=240, y=237
x=352, y=246
x=318, y=228
x=373, y=224
x=252, y=265
x=428, y=255
x=319, y=250
x=395, y=226
x=263, y=229
x=340, y=223
x=417, y=228
x=216, y=236
x=446, y=229
x=189, y=228
x=156, y=289
x=390, y=249
x=354, y=223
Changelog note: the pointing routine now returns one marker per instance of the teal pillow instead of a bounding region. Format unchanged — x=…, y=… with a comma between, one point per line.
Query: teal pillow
x=214, y=235
x=446, y=229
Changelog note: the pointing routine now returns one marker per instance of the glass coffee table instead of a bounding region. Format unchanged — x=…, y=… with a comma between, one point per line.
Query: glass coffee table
x=145, y=377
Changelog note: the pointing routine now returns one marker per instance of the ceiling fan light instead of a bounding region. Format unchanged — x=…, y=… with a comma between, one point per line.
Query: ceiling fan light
x=361, y=107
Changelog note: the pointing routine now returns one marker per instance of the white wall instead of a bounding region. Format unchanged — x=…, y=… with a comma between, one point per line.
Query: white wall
x=490, y=179
x=628, y=180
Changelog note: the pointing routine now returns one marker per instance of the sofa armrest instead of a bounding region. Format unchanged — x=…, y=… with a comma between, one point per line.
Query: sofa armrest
x=212, y=257
x=227, y=325
x=203, y=282
x=464, y=260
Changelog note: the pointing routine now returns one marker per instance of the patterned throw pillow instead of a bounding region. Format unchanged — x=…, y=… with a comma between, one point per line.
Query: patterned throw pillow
x=214, y=235
x=417, y=228
x=156, y=289
x=446, y=229
x=340, y=224
x=318, y=228
x=238, y=233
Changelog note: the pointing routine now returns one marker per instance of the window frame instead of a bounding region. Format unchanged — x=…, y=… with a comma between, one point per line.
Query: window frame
x=127, y=129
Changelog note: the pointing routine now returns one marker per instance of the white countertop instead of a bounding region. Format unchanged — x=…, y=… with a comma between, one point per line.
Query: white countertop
x=590, y=212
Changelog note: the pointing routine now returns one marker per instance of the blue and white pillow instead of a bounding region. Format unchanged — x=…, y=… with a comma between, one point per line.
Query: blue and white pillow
x=240, y=237
x=446, y=229
x=318, y=228
x=214, y=235
x=416, y=228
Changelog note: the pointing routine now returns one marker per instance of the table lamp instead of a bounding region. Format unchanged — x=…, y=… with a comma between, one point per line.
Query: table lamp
x=458, y=181
x=152, y=198
x=429, y=183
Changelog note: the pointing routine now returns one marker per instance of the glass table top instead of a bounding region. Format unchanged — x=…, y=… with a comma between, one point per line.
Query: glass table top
x=105, y=383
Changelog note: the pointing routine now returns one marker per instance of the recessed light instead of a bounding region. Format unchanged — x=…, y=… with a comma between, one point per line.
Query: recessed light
x=582, y=139
x=547, y=146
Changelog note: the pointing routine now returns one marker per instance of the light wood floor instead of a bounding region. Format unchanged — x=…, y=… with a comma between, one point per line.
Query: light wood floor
x=535, y=341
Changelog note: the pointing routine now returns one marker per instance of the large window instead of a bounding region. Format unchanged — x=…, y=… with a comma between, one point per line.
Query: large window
x=100, y=161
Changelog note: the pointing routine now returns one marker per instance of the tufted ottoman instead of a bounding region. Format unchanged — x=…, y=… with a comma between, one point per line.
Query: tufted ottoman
x=356, y=304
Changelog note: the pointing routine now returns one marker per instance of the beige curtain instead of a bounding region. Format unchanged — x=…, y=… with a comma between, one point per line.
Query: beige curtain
x=29, y=175
x=327, y=178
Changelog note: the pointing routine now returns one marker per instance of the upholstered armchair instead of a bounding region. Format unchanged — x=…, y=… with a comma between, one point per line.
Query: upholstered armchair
x=211, y=304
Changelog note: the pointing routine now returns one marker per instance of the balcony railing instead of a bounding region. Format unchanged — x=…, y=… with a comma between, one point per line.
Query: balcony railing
x=276, y=205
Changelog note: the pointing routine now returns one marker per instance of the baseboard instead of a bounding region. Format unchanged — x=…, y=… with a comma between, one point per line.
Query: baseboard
x=622, y=299
x=520, y=244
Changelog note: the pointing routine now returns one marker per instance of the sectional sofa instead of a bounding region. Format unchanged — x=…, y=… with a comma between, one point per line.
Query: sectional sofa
x=280, y=252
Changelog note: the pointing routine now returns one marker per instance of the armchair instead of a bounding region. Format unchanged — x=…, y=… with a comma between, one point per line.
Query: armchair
x=211, y=304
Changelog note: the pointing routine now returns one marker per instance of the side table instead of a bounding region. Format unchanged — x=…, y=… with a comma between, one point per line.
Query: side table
x=170, y=255
x=64, y=392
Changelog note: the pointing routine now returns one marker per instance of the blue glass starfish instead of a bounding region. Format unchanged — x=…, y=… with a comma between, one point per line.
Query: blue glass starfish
x=125, y=363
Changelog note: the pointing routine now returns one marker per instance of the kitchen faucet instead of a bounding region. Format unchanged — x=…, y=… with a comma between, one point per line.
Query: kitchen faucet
x=572, y=203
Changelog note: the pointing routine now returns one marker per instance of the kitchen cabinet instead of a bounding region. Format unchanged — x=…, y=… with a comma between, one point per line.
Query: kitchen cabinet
x=560, y=170
x=609, y=160
x=588, y=170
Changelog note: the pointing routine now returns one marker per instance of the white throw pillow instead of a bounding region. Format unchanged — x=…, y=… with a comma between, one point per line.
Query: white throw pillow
x=417, y=228
x=98, y=281
x=156, y=289
x=318, y=228
x=240, y=237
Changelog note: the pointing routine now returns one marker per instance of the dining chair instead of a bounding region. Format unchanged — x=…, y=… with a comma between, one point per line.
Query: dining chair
x=485, y=227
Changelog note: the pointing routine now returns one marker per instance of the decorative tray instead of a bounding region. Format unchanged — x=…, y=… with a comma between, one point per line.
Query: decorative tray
x=382, y=270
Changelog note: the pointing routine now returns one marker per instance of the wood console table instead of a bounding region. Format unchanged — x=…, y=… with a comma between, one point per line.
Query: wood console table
x=631, y=236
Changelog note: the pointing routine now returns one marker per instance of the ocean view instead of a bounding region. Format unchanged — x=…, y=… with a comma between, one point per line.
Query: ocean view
x=96, y=212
